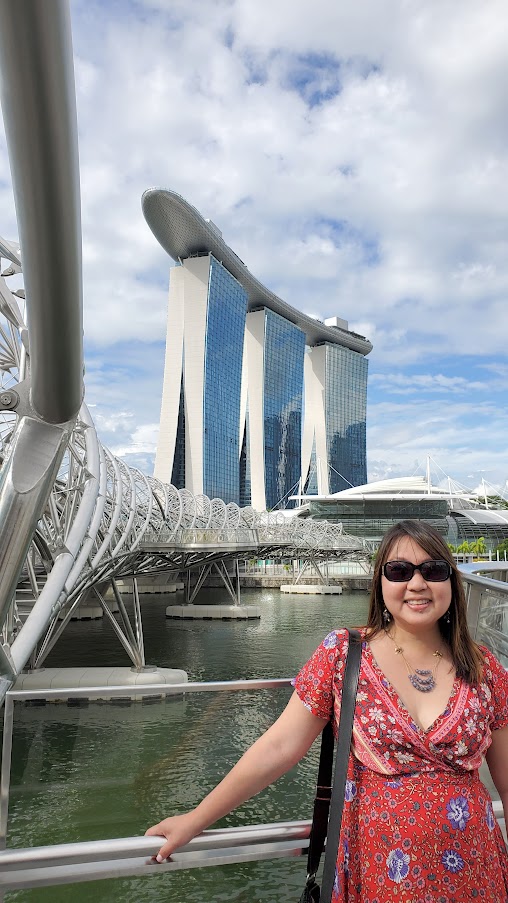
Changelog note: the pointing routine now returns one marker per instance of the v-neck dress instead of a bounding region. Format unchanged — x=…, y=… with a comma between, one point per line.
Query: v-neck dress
x=418, y=825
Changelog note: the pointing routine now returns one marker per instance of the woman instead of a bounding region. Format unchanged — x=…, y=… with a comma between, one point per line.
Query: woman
x=418, y=825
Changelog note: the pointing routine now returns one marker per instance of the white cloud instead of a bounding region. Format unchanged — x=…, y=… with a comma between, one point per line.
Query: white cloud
x=143, y=440
x=355, y=155
x=403, y=383
x=467, y=440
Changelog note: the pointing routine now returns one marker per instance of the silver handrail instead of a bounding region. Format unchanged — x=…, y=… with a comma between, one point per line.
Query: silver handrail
x=120, y=857
x=487, y=604
x=148, y=689
x=92, y=860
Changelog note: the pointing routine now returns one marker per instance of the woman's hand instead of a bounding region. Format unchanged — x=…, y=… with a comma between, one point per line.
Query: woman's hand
x=276, y=751
x=178, y=830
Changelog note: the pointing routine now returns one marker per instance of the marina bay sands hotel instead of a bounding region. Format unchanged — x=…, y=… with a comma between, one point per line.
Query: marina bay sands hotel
x=259, y=400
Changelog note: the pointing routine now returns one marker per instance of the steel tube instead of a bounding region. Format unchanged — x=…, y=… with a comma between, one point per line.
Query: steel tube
x=219, y=686
x=51, y=594
x=39, y=110
x=5, y=775
x=138, y=622
x=120, y=868
x=26, y=479
x=128, y=847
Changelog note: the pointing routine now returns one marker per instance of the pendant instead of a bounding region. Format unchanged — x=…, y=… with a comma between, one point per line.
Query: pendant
x=422, y=680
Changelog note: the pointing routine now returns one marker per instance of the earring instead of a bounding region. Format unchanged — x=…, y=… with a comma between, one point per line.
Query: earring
x=386, y=616
x=447, y=617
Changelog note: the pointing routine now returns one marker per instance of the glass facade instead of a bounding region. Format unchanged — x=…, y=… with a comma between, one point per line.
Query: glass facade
x=371, y=518
x=461, y=529
x=245, y=494
x=178, y=474
x=214, y=314
x=311, y=486
x=284, y=350
x=227, y=309
x=345, y=417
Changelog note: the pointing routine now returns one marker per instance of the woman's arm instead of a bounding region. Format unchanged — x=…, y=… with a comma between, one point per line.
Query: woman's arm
x=497, y=760
x=276, y=751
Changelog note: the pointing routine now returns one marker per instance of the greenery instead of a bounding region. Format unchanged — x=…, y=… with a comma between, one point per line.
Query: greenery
x=502, y=548
x=475, y=547
x=497, y=501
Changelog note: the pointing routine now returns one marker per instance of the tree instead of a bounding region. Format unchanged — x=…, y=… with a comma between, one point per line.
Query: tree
x=479, y=546
x=502, y=548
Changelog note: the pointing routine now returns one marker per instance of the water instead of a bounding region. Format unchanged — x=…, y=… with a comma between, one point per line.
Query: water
x=110, y=770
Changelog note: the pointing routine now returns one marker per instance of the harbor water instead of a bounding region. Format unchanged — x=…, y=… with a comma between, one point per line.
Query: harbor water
x=110, y=770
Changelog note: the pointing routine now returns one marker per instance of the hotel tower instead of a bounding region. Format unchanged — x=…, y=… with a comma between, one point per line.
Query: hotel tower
x=258, y=400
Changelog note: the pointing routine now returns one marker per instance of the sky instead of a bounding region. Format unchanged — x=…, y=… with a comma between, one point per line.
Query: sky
x=354, y=155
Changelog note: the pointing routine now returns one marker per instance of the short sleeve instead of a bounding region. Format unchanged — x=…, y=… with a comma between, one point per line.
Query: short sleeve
x=496, y=676
x=314, y=684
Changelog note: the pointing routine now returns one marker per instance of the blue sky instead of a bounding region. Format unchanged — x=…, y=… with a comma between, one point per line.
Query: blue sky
x=355, y=157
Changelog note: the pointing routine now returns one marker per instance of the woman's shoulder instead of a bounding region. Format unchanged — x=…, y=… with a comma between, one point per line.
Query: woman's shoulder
x=494, y=669
x=340, y=637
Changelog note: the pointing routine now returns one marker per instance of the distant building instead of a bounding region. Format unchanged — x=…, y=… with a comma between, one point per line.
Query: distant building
x=369, y=510
x=257, y=397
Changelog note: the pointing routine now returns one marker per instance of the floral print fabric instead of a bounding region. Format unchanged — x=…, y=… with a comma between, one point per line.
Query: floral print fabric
x=418, y=825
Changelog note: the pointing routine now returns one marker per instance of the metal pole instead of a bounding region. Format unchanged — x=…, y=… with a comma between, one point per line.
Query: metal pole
x=39, y=111
x=138, y=622
x=27, y=477
x=131, y=652
x=123, y=614
x=238, y=593
x=5, y=774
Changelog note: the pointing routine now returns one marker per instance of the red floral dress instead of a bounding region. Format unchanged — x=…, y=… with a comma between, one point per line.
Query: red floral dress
x=418, y=825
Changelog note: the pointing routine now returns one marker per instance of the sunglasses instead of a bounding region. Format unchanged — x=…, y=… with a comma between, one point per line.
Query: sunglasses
x=401, y=571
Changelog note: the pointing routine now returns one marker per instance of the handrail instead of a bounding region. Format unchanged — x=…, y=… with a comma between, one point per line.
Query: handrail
x=70, y=863
x=472, y=573
x=129, y=847
x=100, y=692
x=488, y=620
x=93, y=860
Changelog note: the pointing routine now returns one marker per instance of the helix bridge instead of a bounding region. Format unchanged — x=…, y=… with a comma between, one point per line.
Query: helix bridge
x=74, y=518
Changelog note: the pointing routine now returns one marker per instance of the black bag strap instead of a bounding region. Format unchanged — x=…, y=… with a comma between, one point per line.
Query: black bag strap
x=324, y=782
x=347, y=713
x=321, y=802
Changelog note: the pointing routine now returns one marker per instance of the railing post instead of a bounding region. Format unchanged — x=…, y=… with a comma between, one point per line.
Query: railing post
x=5, y=774
x=474, y=604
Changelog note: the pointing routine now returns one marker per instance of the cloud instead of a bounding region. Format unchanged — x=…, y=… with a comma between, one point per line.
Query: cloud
x=354, y=155
x=406, y=384
x=468, y=441
x=143, y=441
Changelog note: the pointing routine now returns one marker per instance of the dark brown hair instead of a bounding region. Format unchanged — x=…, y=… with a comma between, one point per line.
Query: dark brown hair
x=466, y=654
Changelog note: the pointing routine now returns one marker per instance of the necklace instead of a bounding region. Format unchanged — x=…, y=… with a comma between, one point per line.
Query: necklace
x=422, y=679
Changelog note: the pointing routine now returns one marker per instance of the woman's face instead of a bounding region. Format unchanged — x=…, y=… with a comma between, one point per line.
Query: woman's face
x=415, y=604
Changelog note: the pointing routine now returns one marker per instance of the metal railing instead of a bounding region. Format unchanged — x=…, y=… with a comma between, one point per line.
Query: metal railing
x=119, y=857
x=487, y=604
x=70, y=863
x=129, y=856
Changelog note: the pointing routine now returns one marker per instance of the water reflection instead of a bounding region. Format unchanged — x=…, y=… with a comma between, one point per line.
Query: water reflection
x=109, y=770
